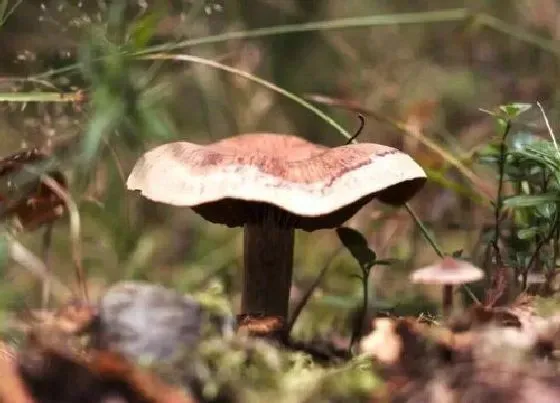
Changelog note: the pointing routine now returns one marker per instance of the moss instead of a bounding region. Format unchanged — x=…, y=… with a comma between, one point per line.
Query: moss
x=240, y=369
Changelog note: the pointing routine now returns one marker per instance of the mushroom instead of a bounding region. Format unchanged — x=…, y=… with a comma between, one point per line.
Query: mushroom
x=447, y=272
x=272, y=184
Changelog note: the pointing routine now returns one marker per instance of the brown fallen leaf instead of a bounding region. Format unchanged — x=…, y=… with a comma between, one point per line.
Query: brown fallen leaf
x=30, y=204
x=260, y=325
x=111, y=365
x=12, y=388
x=46, y=362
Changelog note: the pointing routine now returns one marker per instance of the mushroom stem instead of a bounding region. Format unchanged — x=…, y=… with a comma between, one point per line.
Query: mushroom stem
x=447, y=299
x=267, y=278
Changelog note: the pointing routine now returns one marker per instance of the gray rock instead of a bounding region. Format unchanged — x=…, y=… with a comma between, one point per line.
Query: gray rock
x=148, y=321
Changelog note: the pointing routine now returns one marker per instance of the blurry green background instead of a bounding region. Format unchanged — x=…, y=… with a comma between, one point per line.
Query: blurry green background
x=422, y=69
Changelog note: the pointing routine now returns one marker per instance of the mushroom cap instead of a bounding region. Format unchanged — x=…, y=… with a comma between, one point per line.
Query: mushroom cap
x=310, y=185
x=448, y=271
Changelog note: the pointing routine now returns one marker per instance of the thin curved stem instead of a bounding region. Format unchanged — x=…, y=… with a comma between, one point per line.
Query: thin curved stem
x=251, y=77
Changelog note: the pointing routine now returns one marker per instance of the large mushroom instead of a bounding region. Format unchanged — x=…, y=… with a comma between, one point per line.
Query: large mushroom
x=272, y=184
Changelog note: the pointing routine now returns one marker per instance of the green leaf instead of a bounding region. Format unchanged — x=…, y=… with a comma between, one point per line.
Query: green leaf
x=143, y=30
x=527, y=233
x=547, y=211
x=116, y=16
x=101, y=124
x=502, y=124
x=505, y=113
x=155, y=123
x=358, y=246
x=488, y=112
x=515, y=109
x=531, y=200
x=520, y=140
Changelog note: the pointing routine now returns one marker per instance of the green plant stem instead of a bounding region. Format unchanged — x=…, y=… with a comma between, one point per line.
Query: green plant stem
x=424, y=230
x=551, y=234
x=365, y=299
x=46, y=256
x=75, y=232
x=451, y=15
x=425, y=17
x=357, y=326
x=5, y=13
x=499, y=196
x=217, y=65
x=515, y=32
x=309, y=293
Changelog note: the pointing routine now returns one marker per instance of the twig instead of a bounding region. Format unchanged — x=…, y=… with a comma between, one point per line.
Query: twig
x=7, y=13
x=47, y=241
x=400, y=126
x=303, y=302
x=471, y=294
x=75, y=231
x=358, y=326
x=25, y=258
x=553, y=229
x=556, y=252
x=499, y=276
x=122, y=177
x=499, y=196
x=447, y=289
x=31, y=80
x=251, y=77
x=424, y=230
x=536, y=253
x=548, y=126
x=115, y=157
x=444, y=16
x=499, y=282
x=359, y=131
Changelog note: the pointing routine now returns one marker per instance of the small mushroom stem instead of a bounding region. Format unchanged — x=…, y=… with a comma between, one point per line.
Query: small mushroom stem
x=447, y=299
x=267, y=278
x=46, y=255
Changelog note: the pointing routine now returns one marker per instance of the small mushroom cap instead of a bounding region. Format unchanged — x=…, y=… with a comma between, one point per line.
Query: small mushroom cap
x=448, y=271
x=319, y=187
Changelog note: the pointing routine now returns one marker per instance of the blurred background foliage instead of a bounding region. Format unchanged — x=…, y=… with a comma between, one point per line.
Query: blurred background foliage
x=419, y=71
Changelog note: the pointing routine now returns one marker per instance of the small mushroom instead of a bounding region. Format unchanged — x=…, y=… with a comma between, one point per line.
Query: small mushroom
x=272, y=184
x=447, y=272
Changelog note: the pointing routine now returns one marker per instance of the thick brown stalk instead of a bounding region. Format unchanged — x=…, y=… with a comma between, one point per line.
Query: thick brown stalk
x=268, y=269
